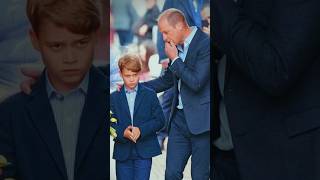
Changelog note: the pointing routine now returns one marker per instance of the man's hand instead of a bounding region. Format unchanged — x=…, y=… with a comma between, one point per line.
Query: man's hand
x=32, y=75
x=171, y=50
x=165, y=63
x=136, y=133
x=129, y=134
x=119, y=86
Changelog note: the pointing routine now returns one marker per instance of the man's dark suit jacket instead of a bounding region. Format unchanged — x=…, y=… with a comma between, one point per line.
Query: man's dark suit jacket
x=194, y=73
x=272, y=85
x=29, y=138
x=147, y=115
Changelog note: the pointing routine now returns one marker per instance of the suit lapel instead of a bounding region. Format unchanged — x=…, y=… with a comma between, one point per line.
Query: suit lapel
x=93, y=116
x=42, y=116
x=192, y=46
x=139, y=98
x=124, y=102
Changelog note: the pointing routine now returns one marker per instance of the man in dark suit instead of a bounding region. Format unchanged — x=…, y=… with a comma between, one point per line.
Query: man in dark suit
x=191, y=10
x=59, y=131
x=139, y=116
x=188, y=49
x=271, y=89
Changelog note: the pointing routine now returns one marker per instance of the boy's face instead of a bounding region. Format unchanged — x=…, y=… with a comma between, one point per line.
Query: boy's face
x=66, y=55
x=130, y=78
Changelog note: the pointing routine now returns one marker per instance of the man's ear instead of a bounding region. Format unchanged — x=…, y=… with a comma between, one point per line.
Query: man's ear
x=34, y=39
x=179, y=26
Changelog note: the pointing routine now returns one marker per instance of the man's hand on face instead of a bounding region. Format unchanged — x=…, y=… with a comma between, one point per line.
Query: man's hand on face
x=171, y=50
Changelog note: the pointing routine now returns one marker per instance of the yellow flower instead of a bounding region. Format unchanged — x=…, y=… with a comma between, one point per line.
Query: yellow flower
x=113, y=120
x=113, y=132
x=3, y=161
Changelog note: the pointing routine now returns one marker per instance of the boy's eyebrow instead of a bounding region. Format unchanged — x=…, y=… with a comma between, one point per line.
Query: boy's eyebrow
x=76, y=40
x=54, y=42
x=83, y=38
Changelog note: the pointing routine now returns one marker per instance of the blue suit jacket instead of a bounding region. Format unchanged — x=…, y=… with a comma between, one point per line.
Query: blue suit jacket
x=194, y=73
x=148, y=116
x=29, y=138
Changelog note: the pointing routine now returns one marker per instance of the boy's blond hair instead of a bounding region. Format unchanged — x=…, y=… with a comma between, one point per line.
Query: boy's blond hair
x=131, y=62
x=78, y=16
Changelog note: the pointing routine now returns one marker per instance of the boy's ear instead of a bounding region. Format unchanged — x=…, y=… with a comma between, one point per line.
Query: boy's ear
x=34, y=39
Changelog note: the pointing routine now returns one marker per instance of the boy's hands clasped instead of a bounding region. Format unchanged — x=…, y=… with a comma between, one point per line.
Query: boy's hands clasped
x=132, y=133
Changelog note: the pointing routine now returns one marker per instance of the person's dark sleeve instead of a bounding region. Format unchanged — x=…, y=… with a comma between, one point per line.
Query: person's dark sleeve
x=161, y=83
x=7, y=145
x=274, y=56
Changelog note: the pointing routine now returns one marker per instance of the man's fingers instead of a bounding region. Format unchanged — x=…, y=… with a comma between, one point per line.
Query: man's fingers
x=31, y=72
x=25, y=86
x=130, y=128
x=133, y=139
x=119, y=86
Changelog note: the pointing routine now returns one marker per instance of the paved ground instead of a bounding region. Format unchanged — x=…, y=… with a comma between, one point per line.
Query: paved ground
x=158, y=167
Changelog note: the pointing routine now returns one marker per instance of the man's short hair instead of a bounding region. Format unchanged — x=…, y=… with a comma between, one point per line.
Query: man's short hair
x=131, y=62
x=173, y=16
x=78, y=16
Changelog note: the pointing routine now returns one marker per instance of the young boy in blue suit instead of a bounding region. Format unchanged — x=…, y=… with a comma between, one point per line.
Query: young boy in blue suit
x=139, y=116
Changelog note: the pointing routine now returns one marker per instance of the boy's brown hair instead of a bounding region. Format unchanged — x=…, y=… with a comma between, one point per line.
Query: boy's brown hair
x=78, y=16
x=131, y=62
